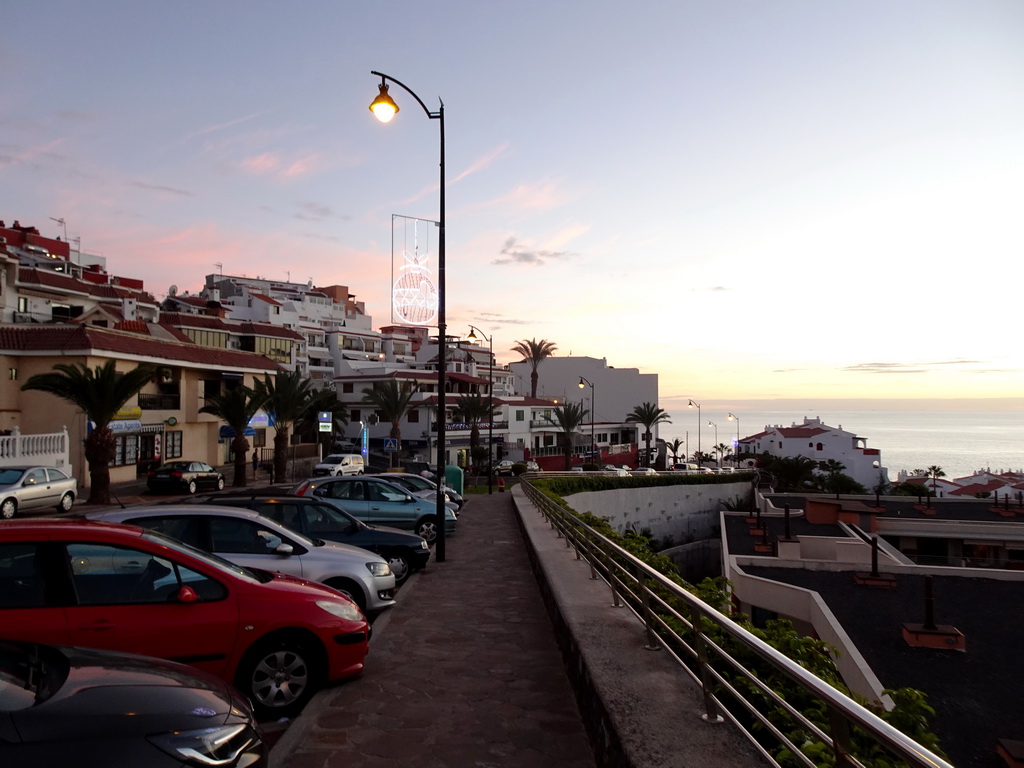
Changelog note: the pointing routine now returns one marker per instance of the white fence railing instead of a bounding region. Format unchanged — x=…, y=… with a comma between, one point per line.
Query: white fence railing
x=48, y=450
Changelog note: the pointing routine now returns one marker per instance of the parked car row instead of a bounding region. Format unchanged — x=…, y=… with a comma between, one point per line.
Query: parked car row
x=261, y=592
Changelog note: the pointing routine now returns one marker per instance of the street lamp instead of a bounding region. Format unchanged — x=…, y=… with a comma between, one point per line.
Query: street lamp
x=593, y=407
x=385, y=108
x=712, y=424
x=697, y=406
x=736, y=456
x=473, y=330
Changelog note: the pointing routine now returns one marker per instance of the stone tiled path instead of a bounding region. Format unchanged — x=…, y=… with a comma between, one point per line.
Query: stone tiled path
x=463, y=673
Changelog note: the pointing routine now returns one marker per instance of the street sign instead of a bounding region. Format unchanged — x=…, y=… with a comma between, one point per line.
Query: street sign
x=326, y=419
x=390, y=444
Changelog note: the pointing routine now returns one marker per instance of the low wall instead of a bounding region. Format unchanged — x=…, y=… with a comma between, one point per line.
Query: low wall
x=678, y=512
x=641, y=710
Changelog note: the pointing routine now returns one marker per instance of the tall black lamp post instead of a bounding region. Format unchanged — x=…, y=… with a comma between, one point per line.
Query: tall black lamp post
x=700, y=456
x=593, y=408
x=385, y=108
x=473, y=330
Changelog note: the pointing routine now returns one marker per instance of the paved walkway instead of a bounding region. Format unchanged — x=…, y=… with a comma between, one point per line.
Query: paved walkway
x=463, y=673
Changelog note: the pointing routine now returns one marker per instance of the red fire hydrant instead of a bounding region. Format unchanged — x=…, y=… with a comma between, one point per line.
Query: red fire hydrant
x=501, y=484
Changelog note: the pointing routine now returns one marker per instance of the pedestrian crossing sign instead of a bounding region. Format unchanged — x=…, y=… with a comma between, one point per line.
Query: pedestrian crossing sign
x=390, y=444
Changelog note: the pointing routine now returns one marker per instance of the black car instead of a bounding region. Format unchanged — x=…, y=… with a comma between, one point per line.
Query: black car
x=188, y=476
x=100, y=709
x=405, y=552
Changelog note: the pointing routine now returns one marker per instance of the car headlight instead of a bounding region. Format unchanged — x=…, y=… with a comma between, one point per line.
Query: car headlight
x=379, y=569
x=423, y=544
x=221, y=745
x=341, y=609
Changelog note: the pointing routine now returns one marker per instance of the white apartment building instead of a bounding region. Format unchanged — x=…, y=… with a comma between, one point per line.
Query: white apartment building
x=815, y=440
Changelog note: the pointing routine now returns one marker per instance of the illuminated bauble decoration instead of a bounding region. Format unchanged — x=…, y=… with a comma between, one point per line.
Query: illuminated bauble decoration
x=414, y=295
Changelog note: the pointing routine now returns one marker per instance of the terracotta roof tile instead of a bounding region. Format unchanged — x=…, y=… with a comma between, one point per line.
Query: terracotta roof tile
x=92, y=339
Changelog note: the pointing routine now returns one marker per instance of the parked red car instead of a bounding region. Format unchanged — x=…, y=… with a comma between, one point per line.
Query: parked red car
x=122, y=588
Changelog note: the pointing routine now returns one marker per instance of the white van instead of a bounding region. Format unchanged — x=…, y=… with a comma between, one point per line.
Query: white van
x=340, y=464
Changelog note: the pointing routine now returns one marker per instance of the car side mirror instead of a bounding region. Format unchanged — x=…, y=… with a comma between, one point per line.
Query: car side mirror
x=187, y=595
x=284, y=549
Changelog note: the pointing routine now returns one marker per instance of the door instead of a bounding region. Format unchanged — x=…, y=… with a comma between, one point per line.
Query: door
x=31, y=607
x=348, y=494
x=36, y=491
x=126, y=603
x=389, y=505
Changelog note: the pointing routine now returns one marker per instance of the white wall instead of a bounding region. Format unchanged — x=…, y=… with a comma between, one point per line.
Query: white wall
x=667, y=511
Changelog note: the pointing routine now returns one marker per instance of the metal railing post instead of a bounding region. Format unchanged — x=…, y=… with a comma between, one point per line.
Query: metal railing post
x=711, y=713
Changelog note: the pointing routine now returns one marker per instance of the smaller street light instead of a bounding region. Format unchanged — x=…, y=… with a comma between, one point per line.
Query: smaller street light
x=736, y=452
x=712, y=424
x=697, y=406
x=593, y=407
x=490, y=401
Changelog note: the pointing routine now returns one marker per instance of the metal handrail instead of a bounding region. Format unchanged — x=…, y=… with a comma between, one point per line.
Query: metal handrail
x=632, y=583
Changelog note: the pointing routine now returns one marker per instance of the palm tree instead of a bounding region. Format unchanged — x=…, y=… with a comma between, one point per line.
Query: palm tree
x=568, y=418
x=471, y=409
x=99, y=393
x=722, y=450
x=676, y=446
x=935, y=472
x=534, y=352
x=648, y=414
x=393, y=401
x=287, y=397
x=236, y=407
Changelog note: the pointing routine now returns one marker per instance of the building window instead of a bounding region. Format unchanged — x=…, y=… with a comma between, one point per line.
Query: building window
x=355, y=415
x=22, y=304
x=172, y=445
x=126, y=450
x=347, y=387
x=12, y=374
x=820, y=447
x=520, y=415
x=414, y=416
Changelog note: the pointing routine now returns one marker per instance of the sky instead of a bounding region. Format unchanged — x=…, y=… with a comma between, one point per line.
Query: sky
x=751, y=199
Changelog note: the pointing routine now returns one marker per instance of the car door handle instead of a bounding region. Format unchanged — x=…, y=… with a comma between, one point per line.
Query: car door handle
x=375, y=509
x=101, y=625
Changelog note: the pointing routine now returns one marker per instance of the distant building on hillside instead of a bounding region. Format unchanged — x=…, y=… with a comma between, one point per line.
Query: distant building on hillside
x=816, y=440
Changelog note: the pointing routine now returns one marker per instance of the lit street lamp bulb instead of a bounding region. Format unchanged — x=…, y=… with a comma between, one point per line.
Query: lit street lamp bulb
x=384, y=107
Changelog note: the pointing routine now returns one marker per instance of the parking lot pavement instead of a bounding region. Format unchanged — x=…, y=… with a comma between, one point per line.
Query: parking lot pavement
x=463, y=671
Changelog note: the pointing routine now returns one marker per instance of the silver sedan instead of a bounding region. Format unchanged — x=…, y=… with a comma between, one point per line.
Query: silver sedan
x=24, y=488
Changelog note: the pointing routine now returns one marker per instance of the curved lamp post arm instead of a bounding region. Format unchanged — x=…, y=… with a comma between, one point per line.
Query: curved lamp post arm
x=439, y=115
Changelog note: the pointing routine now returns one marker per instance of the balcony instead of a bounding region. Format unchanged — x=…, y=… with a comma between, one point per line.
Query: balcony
x=160, y=402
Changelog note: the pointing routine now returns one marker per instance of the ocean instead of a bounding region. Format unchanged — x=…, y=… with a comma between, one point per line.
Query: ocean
x=961, y=442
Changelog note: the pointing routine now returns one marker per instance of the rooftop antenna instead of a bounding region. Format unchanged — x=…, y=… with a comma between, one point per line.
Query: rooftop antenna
x=61, y=222
x=220, y=268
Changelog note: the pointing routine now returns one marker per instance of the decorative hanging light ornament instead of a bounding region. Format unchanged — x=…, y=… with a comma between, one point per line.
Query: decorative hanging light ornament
x=384, y=107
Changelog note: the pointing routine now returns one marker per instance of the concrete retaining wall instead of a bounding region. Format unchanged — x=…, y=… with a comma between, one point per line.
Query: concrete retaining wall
x=680, y=512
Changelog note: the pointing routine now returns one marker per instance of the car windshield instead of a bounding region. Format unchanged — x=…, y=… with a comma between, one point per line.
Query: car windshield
x=333, y=459
x=207, y=557
x=8, y=476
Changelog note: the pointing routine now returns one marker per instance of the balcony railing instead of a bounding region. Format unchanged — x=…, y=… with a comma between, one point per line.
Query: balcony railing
x=160, y=402
x=710, y=647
